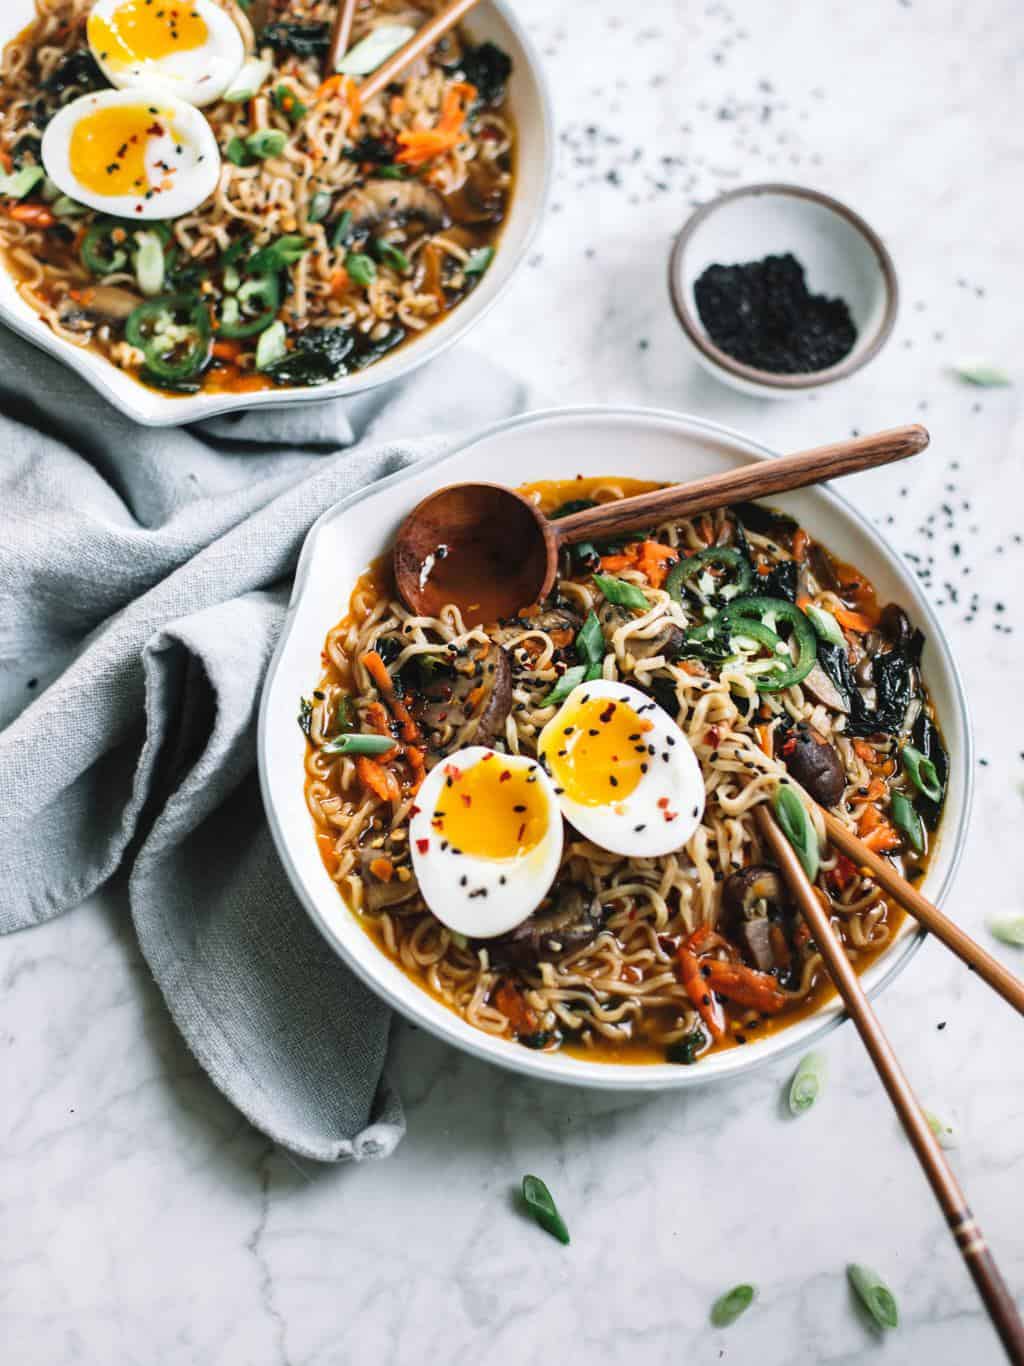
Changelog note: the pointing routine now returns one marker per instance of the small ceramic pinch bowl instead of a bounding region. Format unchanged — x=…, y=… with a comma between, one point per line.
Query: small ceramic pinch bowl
x=842, y=257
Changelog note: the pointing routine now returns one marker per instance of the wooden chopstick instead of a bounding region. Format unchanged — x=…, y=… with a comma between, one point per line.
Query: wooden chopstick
x=989, y=969
x=425, y=37
x=340, y=34
x=964, y=1227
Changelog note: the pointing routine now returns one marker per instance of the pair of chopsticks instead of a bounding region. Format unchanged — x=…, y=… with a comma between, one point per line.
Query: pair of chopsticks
x=964, y=1227
x=424, y=38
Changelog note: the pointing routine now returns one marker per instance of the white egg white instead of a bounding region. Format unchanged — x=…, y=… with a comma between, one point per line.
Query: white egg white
x=665, y=807
x=186, y=145
x=199, y=75
x=474, y=896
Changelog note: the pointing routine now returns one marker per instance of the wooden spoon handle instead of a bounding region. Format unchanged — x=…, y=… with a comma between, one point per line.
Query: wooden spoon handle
x=423, y=39
x=741, y=485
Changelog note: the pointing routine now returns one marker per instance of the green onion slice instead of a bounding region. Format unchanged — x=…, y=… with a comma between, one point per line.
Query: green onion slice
x=271, y=346
x=17, y=184
x=1008, y=927
x=985, y=375
x=620, y=593
x=248, y=81
x=825, y=625
x=266, y=142
x=378, y=45
x=569, y=680
x=906, y=819
x=390, y=255
x=539, y=1202
x=875, y=1295
x=478, y=260
x=728, y=1307
x=796, y=825
x=921, y=772
x=944, y=1132
x=361, y=268
x=808, y=1083
x=590, y=640
x=359, y=744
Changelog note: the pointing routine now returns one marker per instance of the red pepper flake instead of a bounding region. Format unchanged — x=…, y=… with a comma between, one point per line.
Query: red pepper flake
x=155, y=131
x=452, y=772
x=467, y=800
x=713, y=737
x=522, y=831
x=423, y=845
x=506, y=774
x=663, y=802
x=414, y=811
x=487, y=756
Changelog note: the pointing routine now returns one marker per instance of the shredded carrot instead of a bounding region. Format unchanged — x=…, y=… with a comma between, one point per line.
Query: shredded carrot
x=704, y=939
x=882, y=839
x=377, y=670
x=705, y=528
x=378, y=779
x=853, y=621
x=327, y=851
x=869, y=819
x=843, y=873
x=383, y=869
x=700, y=993
x=512, y=1004
x=874, y=793
x=803, y=602
x=765, y=739
x=423, y=144
x=35, y=215
x=6, y=161
x=655, y=560
x=397, y=105
x=865, y=751
x=353, y=98
x=800, y=543
x=227, y=350
x=613, y=563
x=746, y=986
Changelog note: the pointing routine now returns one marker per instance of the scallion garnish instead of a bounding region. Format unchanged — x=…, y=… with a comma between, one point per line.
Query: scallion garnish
x=341, y=229
x=944, y=1132
x=390, y=255
x=1008, y=927
x=590, y=647
x=825, y=625
x=359, y=744
x=921, y=772
x=539, y=1202
x=796, y=825
x=875, y=1295
x=728, y=1307
x=906, y=819
x=266, y=142
x=478, y=261
x=808, y=1083
x=361, y=268
x=319, y=206
x=569, y=680
x=620, y=593
x=983, y=374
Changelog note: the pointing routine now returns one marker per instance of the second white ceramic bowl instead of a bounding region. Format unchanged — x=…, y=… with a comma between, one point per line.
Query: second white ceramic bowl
x=558, y=445
x=530, y=107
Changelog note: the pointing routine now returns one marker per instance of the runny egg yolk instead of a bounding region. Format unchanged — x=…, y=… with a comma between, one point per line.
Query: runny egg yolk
x=492, y=810
x=597, y=753
x=146, y=30
x=108, y=148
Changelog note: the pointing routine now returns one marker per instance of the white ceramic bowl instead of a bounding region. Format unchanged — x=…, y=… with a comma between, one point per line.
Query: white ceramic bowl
x=530, y=106
x=558, y=445
x=841, y=254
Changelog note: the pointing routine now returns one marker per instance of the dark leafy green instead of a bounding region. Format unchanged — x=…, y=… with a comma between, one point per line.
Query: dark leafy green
x=378, y=151
x=305, y=716
x=487, y=68
x=779, y=583
x=321, y=354
x=928, y=741
x=79, y=71
x=304, y=40
x=687, y=1049
x=538, y=1040
x=764, y=521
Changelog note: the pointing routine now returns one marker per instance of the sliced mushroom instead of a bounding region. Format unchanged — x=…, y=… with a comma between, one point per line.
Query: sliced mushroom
x=819, y=686
x=568, y=919
x=895, y=625
x=468, y=704
x=562, y=624
x=748, y=898
x=814, y=763
x=97, y=304
x=823, y=568
x=393, y=201
x=480, y=199
x=669, y=642
x=381, y=894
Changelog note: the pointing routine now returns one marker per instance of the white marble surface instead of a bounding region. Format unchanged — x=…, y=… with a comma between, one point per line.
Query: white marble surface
x=144, y=1222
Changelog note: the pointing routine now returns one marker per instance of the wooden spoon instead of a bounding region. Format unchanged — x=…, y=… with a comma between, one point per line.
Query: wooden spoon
x=492, y=552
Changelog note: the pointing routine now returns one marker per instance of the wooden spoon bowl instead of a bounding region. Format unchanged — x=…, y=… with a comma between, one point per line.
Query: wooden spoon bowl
x=492, y=553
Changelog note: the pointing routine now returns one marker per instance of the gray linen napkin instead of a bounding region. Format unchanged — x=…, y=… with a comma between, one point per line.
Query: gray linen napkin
x=143, y=579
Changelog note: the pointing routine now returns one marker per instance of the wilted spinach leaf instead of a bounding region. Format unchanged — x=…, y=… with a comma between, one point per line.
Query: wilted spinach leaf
x=487, y=68
x=305, y=40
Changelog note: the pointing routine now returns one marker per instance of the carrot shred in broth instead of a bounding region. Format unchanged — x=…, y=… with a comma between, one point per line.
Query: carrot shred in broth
x=703, y=972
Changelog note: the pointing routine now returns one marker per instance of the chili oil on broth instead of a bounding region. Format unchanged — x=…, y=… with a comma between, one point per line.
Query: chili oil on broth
x=471, y=184
x=635, y=958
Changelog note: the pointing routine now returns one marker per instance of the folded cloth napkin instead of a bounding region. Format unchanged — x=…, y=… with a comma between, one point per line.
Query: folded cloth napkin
x=143, y=579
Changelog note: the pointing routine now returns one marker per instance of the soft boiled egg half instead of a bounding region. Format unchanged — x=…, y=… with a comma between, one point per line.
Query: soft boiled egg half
x=625, y=774
x=188, y=48
x=486, y=840
x=132, y=153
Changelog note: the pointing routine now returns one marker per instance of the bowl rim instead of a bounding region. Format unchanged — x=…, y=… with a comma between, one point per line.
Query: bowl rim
x=752, y=374
x=607, y=1076
x=171, y=411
